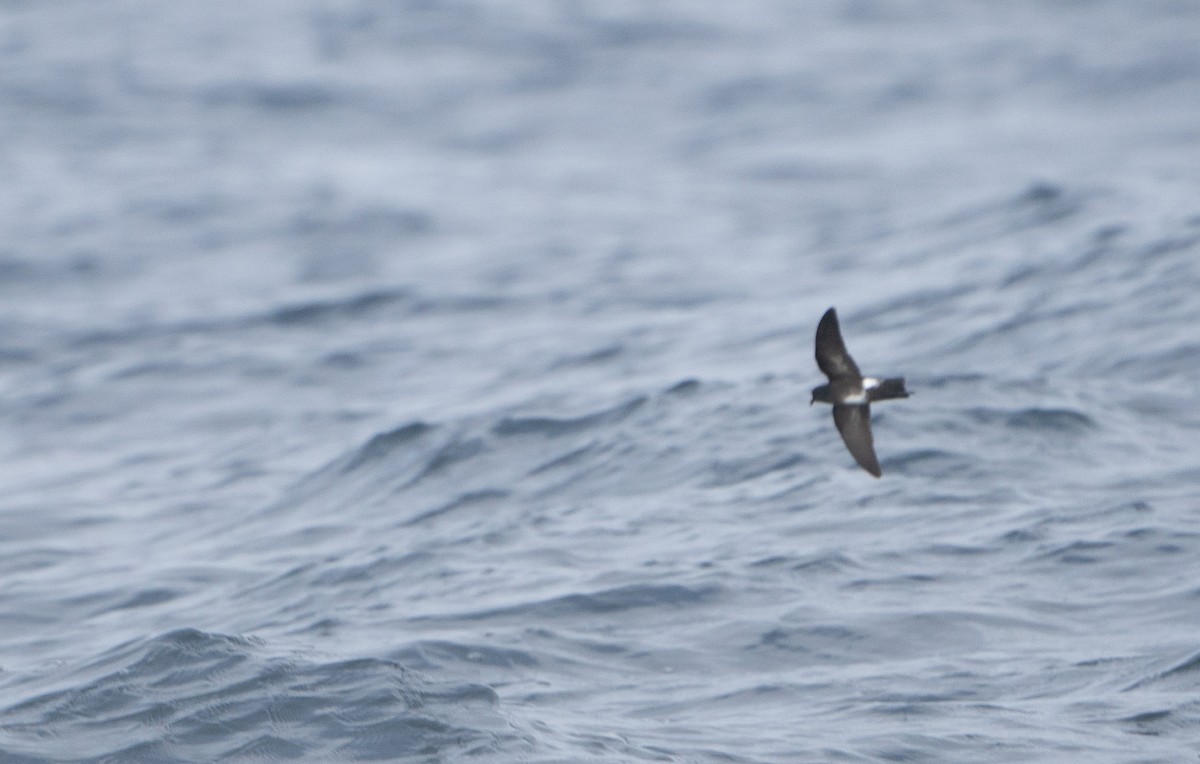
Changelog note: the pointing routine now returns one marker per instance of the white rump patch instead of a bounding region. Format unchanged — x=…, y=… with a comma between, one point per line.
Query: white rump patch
x=869, y=383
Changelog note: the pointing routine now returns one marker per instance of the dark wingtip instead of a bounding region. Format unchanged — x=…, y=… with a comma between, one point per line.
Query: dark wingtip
x=871, y=467
x=828, y=327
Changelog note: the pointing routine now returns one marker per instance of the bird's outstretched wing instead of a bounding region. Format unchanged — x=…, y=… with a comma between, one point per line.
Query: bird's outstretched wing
x=854, y=423
x=832, y=357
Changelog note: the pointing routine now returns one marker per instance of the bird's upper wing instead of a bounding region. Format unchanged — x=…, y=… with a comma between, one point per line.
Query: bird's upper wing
x=854, y=423
x=832, y=357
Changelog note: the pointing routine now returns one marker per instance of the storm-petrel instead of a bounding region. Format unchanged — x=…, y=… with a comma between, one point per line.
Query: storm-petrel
x=850, y=393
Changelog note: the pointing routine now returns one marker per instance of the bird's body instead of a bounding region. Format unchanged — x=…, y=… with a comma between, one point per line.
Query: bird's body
x=851, y=393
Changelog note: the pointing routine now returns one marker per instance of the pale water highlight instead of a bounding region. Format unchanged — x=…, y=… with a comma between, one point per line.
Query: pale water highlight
x=428, y=381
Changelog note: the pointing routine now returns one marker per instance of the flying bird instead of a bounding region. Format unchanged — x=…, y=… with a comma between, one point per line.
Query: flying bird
x=851, y=393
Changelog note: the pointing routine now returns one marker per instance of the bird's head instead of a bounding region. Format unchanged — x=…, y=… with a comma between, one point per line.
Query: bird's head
x=821, y=394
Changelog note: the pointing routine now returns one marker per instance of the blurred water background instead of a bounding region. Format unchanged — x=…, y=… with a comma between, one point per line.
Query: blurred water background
x=428, y=380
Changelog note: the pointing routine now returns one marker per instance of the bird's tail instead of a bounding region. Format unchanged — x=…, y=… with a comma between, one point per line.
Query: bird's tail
x=889, y=388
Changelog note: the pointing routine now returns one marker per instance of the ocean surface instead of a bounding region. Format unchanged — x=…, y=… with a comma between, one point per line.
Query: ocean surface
x=428, y=381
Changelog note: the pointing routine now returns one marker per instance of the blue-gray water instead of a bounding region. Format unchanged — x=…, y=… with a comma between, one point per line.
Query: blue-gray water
x=428, y=381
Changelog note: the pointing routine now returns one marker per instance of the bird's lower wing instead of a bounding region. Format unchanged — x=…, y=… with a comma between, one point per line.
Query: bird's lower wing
x=854, y=423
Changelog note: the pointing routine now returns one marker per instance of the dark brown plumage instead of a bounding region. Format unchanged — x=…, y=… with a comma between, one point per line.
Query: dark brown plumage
x=851, y=393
